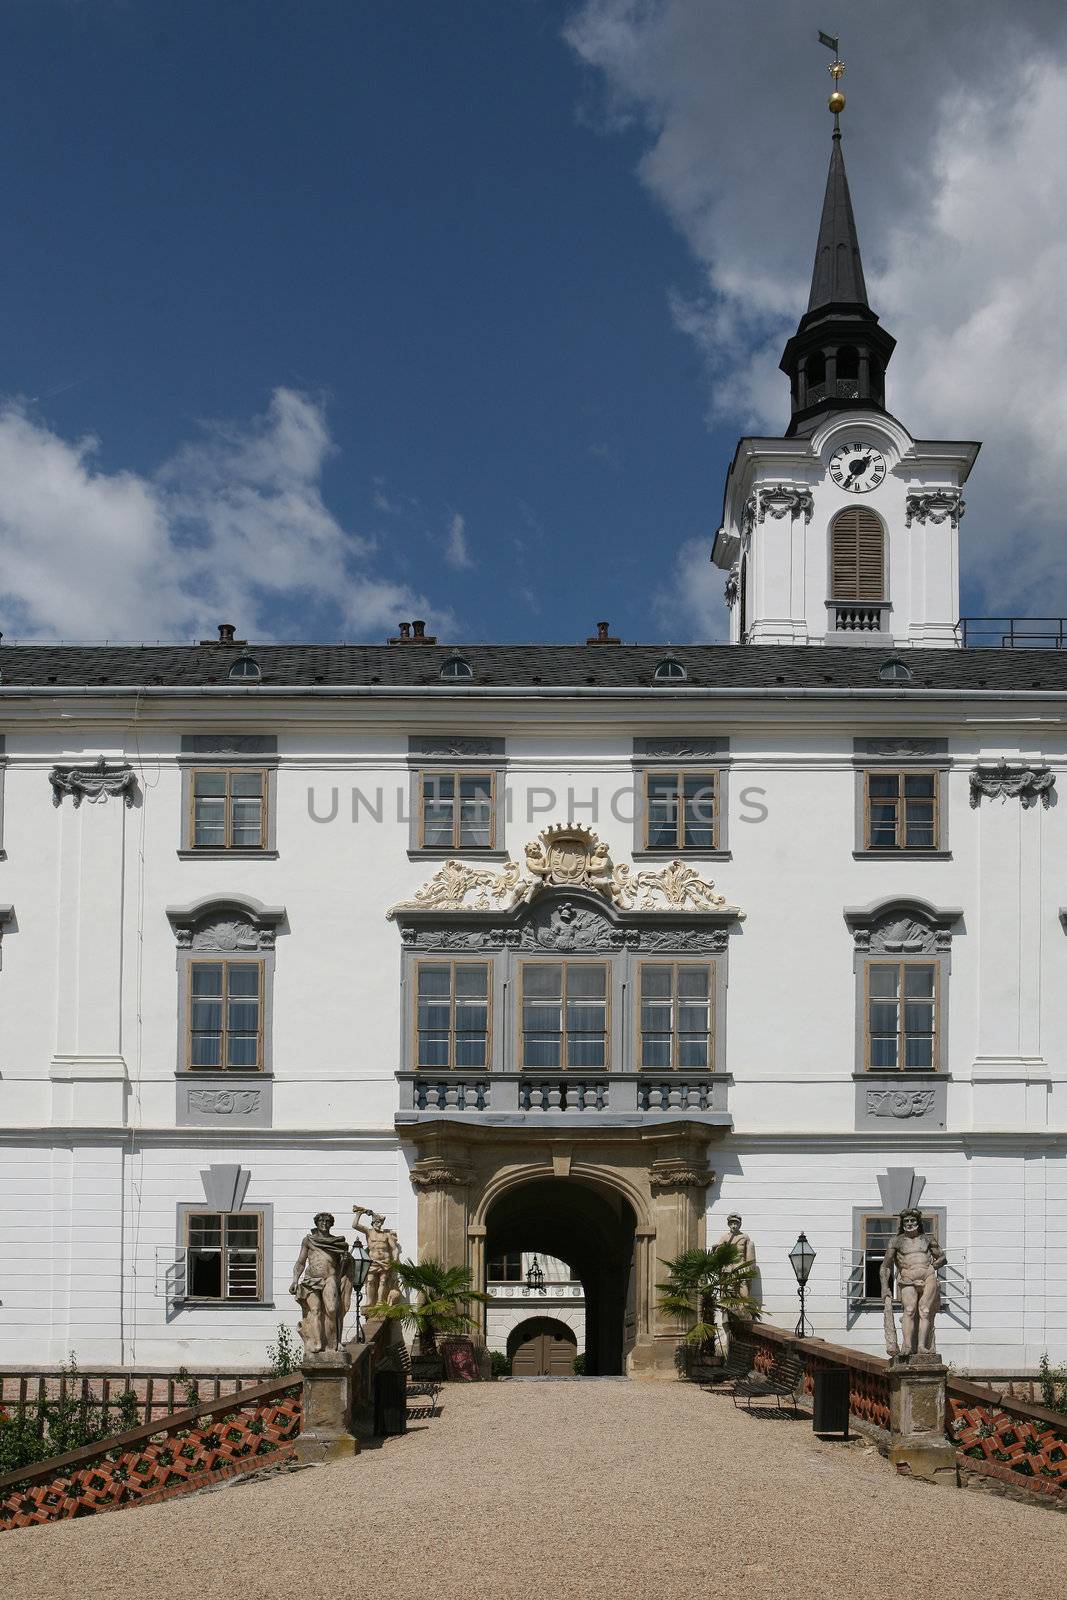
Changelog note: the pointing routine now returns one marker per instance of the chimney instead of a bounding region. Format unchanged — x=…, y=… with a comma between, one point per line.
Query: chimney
x=413, y=633
x=602, y=635
x=226, y=635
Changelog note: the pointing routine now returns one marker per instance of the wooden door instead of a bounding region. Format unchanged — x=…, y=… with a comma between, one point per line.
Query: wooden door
x=543, y=1356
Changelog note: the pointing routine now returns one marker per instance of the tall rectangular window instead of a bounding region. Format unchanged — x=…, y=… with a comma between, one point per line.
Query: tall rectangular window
x=452, y=1020
x=226, y=1016
x=223, y=1255
x=564, y=1014
x=902, y=1020
x=457, y=810
x=681, y=810
x=876, y=1231
x=229, y=809
x=902, y=810
x=506, y=1268
x=676, y=1015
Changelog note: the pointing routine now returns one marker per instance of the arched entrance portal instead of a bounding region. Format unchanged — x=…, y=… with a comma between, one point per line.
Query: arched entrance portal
x=592, y=1229
x=541, y=1347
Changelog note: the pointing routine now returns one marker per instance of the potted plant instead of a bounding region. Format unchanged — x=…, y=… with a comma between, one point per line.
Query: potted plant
x=439, y=1296
x=701, y=1283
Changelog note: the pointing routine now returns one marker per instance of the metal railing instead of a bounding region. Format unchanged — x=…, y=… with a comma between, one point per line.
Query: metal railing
x=859, y=1284
x=1012, y=633
x=238, y=1277
x=840, y=389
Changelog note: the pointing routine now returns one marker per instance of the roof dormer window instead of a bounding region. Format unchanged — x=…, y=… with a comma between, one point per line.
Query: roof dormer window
x=455, y=668
x=670, y=671
x=245, y=670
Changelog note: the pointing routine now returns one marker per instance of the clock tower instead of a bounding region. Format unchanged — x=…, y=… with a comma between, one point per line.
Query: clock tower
x=845, y=531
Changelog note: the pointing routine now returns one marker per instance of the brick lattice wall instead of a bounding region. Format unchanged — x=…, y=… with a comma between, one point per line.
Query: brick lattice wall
x=194, y=1448
x=1027, y=1440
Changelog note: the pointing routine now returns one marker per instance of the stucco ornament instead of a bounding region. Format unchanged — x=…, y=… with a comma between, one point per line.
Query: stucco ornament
x=912, y=1258
x=786, y=499
x=900, y=1103
x=732, y=584
x=94, y=783
x=564, y=857
x=1008, y=780
x=941, y=505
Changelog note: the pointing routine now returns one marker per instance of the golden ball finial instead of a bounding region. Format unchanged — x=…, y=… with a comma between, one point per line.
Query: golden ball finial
x=836, y=102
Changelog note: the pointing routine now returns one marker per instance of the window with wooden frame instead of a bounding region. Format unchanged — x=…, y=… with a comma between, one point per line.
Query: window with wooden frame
x=681, y=810
x=857, y=556
x=676, y=1015
x=902, y=1001
x=228, y=808
x=225, y=1031
x=901, y=810
x=452, y=1014
x=876, y=1230
x=506, y=1267
x=457, y=810
x=565, y=1014
x=223, y=1255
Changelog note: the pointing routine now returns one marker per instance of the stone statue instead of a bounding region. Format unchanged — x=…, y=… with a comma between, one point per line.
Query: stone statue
x=746, y=1250
x=322, y=1282
x=914, y=1257
x=383, y=1248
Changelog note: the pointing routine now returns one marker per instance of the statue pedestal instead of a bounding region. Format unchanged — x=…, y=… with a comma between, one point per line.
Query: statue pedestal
x=917, y=1420
x=327, y=1433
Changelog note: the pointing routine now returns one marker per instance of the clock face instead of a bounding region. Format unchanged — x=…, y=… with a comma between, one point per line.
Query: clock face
x=857, y=467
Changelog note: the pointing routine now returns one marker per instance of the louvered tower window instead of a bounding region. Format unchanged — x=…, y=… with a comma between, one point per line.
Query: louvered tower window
x=857, y=546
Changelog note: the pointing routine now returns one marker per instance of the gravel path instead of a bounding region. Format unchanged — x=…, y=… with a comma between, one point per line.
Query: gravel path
x=553, y=1490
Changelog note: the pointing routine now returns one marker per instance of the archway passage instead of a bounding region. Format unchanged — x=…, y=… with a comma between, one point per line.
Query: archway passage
x=542, y=1347
x=590, y=1228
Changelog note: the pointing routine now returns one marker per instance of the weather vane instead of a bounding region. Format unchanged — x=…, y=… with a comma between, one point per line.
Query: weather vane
x=836, y=101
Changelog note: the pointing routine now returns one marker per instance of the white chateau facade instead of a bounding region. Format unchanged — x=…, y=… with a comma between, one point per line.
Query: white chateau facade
x=774, y=927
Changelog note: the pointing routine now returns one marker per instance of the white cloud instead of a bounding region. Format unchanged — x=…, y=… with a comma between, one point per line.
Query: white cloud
x=954, y=132
x=689, y=608
x=233, y=527
x=457, y=553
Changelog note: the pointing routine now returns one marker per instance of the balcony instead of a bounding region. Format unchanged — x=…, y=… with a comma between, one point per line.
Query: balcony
x=539, y=1098
x=860, y=1288
x=851, y=617
x=840, y=389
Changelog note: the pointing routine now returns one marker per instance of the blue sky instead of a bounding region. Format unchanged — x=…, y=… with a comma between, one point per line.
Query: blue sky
x=318, y=317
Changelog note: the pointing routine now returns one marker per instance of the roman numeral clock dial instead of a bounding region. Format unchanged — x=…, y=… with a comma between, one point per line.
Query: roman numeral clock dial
x=857, y=467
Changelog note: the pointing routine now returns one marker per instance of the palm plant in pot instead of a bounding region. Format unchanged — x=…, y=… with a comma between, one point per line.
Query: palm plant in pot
x=702, y=1283
x=438, y=1298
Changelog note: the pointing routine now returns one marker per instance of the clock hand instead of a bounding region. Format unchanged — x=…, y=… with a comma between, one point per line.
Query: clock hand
x=860, y=464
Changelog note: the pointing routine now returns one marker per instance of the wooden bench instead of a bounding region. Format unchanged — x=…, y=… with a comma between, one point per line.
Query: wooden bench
x=425, y=1389
x=781, y=1384
x=738, y=1364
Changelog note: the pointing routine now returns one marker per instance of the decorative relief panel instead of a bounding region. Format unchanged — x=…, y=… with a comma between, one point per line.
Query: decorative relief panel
x=941, y=505
x=786, y=499
x=902, y=927
x=569, y=858
x=238, y=1099
x=1010, y=780
x=94, y=782
x=454, y=747
x=220, y=925
x=225, y=1102
x=701, y=749
x=900, y=1103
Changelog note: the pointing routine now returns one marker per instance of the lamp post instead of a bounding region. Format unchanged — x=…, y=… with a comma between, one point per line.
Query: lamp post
x=360, y=1269
x=535, y=1278
x=801, y=1257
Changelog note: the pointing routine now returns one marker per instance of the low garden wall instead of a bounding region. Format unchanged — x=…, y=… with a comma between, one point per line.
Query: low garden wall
x=1020, y=1445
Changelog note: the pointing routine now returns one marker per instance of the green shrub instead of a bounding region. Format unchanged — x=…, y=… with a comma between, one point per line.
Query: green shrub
x=284, y=1357
x=1053, y=1385
x=578, y=1366
x=500, y=1364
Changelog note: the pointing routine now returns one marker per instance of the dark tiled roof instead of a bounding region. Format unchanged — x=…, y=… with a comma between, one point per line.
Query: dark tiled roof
x=527, y=666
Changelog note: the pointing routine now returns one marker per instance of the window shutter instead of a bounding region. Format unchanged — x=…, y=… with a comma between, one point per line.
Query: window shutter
x=857, y=556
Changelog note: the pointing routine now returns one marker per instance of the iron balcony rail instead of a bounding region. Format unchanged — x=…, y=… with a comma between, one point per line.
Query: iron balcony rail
x=1012, y=633
x=860, y=1271
x=238, y=1274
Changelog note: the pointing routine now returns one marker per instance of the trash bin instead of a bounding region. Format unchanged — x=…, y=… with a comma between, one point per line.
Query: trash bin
x=390, y=1404
x=831, y=1401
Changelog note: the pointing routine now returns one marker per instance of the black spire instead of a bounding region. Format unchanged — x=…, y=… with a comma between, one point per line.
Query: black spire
x=837, y=276
x=837, y=358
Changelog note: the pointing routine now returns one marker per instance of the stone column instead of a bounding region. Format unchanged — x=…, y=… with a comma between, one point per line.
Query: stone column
x=917, y=1422
x=678, y=1179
